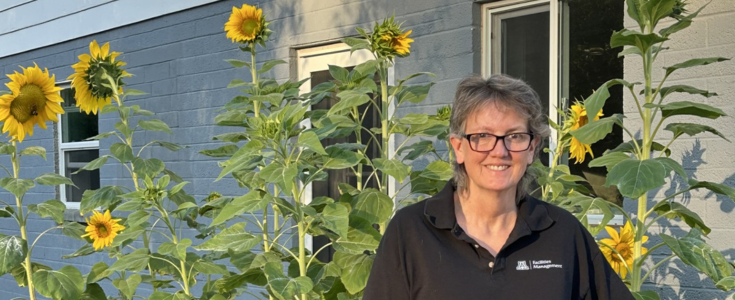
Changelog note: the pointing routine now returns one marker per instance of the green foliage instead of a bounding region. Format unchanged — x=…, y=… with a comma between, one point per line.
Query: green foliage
x=66, y=283
x=13, y=249
x=642, y=165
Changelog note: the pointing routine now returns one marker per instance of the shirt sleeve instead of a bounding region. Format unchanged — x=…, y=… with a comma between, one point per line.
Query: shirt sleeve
x=387, y=278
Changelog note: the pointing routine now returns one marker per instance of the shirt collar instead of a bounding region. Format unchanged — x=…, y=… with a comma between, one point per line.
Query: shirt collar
x=439, y=211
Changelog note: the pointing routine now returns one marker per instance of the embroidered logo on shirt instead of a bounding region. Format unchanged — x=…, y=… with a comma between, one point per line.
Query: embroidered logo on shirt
x=544, y=264
x=536, y=264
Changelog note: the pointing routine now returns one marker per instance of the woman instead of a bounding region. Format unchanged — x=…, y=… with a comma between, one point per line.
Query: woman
x=482, y=236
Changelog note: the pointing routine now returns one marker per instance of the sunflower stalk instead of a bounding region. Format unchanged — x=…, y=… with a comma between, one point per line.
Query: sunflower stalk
x=636, y=171
x=21, y=218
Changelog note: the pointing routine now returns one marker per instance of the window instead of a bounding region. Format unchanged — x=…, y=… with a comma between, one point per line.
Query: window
x=561, y=48
x=314, y=63
x=75, y=151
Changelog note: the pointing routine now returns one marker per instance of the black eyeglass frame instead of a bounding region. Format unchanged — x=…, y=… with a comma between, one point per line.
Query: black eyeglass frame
x=499, y=137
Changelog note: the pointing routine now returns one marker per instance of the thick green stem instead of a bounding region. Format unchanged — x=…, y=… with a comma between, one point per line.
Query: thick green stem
x=15, y=159
x=645, y=154
x=384, y=117
x=301, y=233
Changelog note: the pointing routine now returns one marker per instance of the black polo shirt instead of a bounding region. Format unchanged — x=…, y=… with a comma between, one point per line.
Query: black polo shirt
x=426, y=255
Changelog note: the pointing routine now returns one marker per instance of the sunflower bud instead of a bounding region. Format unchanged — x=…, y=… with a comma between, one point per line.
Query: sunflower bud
x=444, y=113
x=388, y=41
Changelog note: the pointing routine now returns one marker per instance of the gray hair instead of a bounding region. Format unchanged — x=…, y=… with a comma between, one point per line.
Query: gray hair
x=476, y=92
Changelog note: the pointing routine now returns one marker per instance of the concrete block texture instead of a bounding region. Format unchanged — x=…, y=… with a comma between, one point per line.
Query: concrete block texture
x=706, y=157
x=178, y=59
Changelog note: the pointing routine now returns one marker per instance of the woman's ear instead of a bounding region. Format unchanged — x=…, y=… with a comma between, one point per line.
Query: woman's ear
x=456, y=143
x=532, y=151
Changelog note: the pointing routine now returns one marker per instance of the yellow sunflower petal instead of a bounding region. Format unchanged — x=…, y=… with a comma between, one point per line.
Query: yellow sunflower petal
x=613, y=234
x=94, y=49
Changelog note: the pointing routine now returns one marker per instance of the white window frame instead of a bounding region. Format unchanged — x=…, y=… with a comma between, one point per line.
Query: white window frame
x=68, y=147
x=319, y=58
x=490, y=9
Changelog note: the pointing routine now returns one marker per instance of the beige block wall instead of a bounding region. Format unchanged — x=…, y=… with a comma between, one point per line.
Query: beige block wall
x=706, y=156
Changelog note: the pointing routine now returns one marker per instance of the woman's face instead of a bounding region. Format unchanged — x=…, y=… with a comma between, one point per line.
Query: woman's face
x=498, y=170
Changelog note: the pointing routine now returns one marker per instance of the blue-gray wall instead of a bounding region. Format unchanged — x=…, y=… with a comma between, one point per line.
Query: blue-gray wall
x=178, y=59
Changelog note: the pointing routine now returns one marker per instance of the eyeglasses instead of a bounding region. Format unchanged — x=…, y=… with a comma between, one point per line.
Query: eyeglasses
x=513, y=142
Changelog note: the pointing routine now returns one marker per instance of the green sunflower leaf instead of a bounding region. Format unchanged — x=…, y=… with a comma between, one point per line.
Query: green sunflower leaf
x=634, y=177
x=13, y=251
x=673, y=210
x=680, y=88
x=104, y=197
x=148, y=167
x=372, y=205
x=73, y=230
x=597, y=130
x=393, y=167
x=85, y=250
x=646, y=295
x=7, y=148
x=355, y=270
x=94, y=164
x=250, y=202
x=135, y=261
x=687, y=108
x=53, y=179
x=99, y=271
x=234, y=237
x=636, y=39
x=51, y=208
x=127, y=286
x=66, y=283
x=269, y=65
x=155, y=125
x=694, y=251
x=16, y=186
x=34, y=150
x=93, y=291
x=693, y=63
x=224, y=151
x=692, y=129
x=238, y=63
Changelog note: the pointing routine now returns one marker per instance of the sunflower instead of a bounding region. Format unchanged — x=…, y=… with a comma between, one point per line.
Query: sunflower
x=388, y=40
x=247, y=24
x=579, y=118
x=90, y=80
x=33, y=99
x=399, y=43
x=102, y=229
x=621, y=261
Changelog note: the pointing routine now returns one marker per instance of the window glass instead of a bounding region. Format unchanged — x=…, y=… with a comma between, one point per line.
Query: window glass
x=75, y=151
x=591, y=62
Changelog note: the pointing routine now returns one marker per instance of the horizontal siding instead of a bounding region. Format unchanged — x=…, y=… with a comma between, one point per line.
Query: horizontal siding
x=35, y=24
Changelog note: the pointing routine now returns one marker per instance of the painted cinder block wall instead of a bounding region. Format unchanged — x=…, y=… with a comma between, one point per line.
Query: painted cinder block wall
x=178, y=59
x=706, y=156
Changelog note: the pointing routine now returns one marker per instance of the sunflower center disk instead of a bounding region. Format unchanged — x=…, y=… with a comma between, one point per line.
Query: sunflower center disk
x=250, y=26
x=102, y=230
x=624, y=251
x=27, y=105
